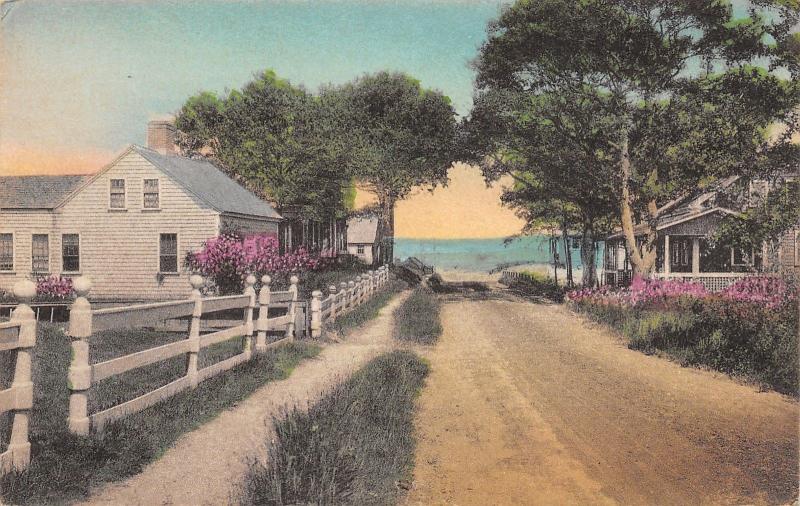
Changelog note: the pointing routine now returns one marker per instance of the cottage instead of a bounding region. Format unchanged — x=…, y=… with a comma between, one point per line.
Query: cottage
x=683, y=250
x=363, y=239
x=128, y=227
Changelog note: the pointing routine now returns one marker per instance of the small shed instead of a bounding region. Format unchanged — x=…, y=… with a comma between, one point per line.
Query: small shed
x=363, y=239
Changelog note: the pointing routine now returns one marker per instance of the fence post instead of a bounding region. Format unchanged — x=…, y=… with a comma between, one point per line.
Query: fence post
x=194, y=329
x=249, y=281
x=342, y=296
x=357, y=292
x=332, y=296
x=290, y=327
x=370, y=282
x=351, y=294
x=80, y=374
x=316, y=313
x=22, y=385
x=263, y=313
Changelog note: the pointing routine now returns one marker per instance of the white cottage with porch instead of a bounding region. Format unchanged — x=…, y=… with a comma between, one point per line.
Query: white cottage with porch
x=683, y=250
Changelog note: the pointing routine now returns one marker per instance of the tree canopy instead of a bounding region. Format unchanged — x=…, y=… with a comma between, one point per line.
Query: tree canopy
x=683, y=91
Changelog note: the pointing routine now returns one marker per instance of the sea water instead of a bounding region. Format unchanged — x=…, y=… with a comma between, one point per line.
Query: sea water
x=484, y=255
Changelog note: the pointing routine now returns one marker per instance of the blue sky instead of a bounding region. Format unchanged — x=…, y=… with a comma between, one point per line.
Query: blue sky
x=88, y=75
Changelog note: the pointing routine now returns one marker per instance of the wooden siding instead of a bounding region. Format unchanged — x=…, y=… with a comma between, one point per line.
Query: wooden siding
x=789, y=254
x=703, y=225
x=119, y=250
x=248, y=226
x=23, y=224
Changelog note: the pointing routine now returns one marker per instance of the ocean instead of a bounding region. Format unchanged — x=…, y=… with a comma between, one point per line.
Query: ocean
x=482, y=255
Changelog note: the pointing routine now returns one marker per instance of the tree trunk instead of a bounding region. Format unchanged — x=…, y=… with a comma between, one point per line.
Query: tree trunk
x=567, y=254
x=642, y=256
x=386, y=219
x=588, y=253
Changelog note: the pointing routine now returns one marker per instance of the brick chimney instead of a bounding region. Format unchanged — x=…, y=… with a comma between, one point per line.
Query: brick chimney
x=161, y=136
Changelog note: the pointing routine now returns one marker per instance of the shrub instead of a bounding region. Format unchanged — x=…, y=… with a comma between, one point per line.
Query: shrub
x=54, y=288
x=540, y=285
x=229, y=258
x=351, y=447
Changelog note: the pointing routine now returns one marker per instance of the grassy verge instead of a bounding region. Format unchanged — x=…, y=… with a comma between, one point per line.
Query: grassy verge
x=366, y=311
x=64, y=466
x=417, y=319
x=538, y=285
x=353, y=447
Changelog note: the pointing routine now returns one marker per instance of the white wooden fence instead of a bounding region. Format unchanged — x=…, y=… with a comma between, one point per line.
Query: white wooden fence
x=84, y=321
x=19, y=335
x=347, y=296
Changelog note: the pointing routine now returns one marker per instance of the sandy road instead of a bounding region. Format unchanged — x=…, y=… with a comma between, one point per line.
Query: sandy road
x=528, y=404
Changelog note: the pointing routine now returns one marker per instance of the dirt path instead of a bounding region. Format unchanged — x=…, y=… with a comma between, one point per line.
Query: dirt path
x=205, y=465
x=526, y=404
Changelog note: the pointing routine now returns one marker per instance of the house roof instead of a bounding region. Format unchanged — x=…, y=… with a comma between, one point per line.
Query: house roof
x=673, y=220
x=362, y=230
x=209, y=184
x=37, y=192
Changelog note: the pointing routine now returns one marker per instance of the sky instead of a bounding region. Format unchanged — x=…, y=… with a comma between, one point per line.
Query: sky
x=79, y=80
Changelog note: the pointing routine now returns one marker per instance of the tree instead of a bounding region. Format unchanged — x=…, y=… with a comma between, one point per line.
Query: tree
x=678, y=80
x=401, y=137
x=559, y=156
x=278, y=139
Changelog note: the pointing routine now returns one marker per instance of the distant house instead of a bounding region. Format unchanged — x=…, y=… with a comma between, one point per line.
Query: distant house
x=684, y=251
x=128, y=227
x=363, y=239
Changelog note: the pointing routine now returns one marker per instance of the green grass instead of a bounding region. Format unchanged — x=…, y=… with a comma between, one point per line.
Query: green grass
x=353, y=447
x=366, y=311
x=418, y=319
x=64, y=467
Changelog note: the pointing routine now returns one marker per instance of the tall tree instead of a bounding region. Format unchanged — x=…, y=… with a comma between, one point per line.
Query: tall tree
x=281, y=141
x=679, y=79
x=402, y=137
x=559, y=155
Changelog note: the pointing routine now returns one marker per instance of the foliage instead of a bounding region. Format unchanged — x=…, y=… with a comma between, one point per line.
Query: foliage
x=64, y=467
x=352, y=447
x=401, y=135
x=228, y=259
x=280, y=140
x=538, y=285
x=749, y=329
x=54, y=288
x=418, y=318
x=673, y=89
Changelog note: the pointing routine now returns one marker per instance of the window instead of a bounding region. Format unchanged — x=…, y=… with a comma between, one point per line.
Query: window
x=6, y=252
x=742, y=257
x=70, y=253
x=40, y=253
x=680, y=252
x=117, y=196
x=151, y=200
x=360, y=249
x=168, y=253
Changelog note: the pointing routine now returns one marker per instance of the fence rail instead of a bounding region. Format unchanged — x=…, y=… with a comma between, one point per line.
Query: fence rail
x=19, y=336
x=84, y=321
x=253, y=328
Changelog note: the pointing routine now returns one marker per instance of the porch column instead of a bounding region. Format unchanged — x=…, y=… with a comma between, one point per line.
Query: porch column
x=667, y=256
x=695, y=255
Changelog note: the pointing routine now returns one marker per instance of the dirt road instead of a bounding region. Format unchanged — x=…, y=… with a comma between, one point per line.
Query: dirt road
x=526, y=404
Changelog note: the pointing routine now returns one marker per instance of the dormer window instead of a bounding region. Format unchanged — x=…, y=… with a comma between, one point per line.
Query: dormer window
x=116, y=198
x=151, y=194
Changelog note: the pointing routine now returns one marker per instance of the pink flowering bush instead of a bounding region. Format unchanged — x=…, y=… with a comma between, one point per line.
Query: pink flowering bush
x=54, y=288
x=772, y=292
x=641, y=293
x=228, y=259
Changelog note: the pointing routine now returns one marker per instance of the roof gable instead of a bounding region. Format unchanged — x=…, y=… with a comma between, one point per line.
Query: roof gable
x=362, y=230
x=209, y=184
x=37, y=192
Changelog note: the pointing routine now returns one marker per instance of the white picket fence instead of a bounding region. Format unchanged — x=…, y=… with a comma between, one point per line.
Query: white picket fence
x=19, y=336
x=84, y=321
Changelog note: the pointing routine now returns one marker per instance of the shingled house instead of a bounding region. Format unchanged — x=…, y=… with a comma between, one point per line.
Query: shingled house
x=128, y=227
x=684, y=251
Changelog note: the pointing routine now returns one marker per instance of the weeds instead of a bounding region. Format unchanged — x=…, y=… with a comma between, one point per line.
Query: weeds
x=417, y=319
x=354, y=446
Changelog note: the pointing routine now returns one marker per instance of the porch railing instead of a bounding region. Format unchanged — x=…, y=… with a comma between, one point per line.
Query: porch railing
x=713, y=281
